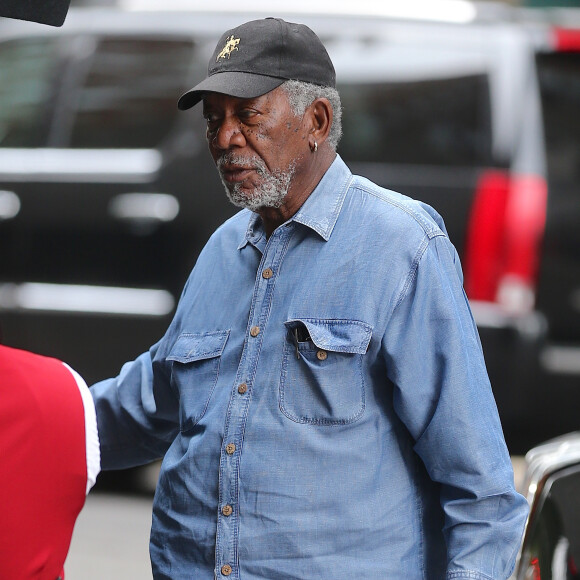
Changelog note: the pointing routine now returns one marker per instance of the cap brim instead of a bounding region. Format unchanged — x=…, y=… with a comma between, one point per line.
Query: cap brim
x=236, y=84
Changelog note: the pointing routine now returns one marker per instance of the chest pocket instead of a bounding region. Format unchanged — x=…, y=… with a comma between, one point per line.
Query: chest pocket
x=322, y=378
x=195, y=370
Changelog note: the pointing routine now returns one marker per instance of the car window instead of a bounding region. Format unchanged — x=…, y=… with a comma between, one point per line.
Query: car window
x=129, y=97
x=559, y=77
x=28, y=69
x=434, y=122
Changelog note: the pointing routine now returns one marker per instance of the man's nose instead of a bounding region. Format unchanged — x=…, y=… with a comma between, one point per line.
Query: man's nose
x=228, y=134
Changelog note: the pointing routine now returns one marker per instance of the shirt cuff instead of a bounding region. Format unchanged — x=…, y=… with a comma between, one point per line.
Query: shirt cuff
x=467, y=575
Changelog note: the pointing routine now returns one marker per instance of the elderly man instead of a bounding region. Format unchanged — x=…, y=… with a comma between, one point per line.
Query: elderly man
x=320, y=398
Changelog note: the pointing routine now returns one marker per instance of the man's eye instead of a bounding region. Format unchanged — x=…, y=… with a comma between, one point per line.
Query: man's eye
x=247, y=114
x=212, y=121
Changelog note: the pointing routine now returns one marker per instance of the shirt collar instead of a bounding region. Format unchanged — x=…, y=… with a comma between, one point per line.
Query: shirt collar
x=320, y=211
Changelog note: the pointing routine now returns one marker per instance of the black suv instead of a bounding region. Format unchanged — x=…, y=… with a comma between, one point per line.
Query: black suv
x=107, y=193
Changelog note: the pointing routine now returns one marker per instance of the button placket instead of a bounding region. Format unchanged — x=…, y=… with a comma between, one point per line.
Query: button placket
x=228, y=512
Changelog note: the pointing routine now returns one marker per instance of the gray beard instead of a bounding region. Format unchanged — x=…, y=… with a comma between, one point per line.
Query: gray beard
x=271, y=191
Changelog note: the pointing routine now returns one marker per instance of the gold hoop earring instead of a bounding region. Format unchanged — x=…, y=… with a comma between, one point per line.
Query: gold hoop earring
x=315, y=146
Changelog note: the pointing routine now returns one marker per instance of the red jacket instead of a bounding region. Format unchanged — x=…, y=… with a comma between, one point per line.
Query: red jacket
x=43, y=467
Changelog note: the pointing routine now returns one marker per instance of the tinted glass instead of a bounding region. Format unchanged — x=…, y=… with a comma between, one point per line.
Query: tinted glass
x=559, y=76
x=435, y=122
x=27, y=72
x=558, y=296
x=129, y=98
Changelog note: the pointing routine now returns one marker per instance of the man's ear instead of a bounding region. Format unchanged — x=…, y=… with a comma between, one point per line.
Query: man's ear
x=321, y=116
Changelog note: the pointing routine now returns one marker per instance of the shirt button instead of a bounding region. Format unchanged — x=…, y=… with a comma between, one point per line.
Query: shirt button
x=242, y=388
x=321, y=355
x=230, y=448
x=254, y=331
x=226, y=569
x=267, y=273
x=227, y=510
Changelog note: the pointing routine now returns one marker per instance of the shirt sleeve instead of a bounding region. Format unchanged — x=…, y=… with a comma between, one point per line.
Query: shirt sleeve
x=443, y=395
x=137, y=412
x=91, y=433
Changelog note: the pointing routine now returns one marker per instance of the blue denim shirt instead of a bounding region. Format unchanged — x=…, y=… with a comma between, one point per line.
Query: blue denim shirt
x=322, y=404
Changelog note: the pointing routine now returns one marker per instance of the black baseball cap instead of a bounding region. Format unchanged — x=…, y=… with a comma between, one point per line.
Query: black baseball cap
x=258, y=56
x=51, y=12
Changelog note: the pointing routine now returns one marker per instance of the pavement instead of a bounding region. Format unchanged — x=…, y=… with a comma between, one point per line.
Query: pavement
x=111, y=539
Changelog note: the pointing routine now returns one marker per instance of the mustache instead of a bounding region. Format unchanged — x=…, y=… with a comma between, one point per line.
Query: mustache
x=232, y=158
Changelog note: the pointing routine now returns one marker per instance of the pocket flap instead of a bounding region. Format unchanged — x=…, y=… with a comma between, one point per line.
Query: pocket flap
x=190, y=347
x=351, y=336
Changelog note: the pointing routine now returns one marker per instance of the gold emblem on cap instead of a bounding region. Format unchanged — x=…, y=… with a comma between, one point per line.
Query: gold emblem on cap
x=230, y=46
